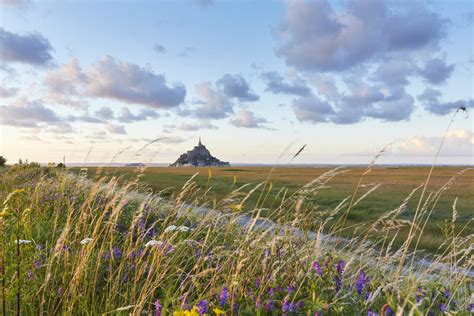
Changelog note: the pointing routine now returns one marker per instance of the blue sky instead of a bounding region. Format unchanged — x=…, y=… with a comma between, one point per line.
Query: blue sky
x=255, y=79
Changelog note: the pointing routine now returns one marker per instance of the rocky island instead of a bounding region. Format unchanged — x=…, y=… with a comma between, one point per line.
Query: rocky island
x=199, y=156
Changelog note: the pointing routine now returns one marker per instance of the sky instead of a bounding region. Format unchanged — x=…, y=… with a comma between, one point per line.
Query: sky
x=141, y=81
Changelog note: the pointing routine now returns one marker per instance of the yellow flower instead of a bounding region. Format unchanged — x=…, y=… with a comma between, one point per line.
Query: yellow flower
x=218, y=311
x=193, y=312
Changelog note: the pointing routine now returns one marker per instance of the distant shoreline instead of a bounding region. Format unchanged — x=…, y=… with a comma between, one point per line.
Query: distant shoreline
x=322, y=165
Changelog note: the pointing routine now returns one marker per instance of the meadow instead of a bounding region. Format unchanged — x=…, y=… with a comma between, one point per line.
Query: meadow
x=115, y=241
x=388, y=186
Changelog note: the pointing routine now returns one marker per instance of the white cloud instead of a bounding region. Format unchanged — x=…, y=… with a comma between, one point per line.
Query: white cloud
x=457, y=143
x=115, y=129
x=244, y=118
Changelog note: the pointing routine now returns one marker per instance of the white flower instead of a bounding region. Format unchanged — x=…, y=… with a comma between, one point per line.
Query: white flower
x=183, y=228
x=170, y=228
x=153, y=242
x=22, y=241
x=85, y=241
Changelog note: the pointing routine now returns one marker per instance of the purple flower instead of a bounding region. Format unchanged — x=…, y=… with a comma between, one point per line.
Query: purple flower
x=447, y=294
x=289, y=307
x=285, y=307
x=470, y=307
x=257, y=283
x=158, y=308
x=117, y=253
x=340, y=267
x=270, y=305
x=202, y=307
x=317, y=268
x=338, y=283
x=372, y=313
x=36, y=264
x=290, y=288
x=224, y=296
x=361, y=281
x=442, y=307
x=30, y=274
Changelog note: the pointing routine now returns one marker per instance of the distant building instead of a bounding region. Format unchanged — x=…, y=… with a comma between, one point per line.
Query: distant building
x=199, y=156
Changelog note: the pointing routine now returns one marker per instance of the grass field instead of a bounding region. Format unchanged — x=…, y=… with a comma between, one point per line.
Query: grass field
x=396, y=183
x=70, y=245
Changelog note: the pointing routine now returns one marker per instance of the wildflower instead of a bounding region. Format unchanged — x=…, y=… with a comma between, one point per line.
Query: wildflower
x=290, y=288
x=338, y=281
x=202, y=307
x=183, y=228
x=270, y=305
x=85, y=241
x=386, y=310
x=340, y=267
x=224, y=296
x=153, y=242
x=170, y=228
x=442, y=307
x=470, y=307
x=289, y=307
x=22, y=241
x=117, y=253
x=30, y=274
x=372, y=313
x=218, y=311
x=361, y=281
x=447, y=294
x=36, y=264
x=192, y=312
x=158, y=308
x=317, y=268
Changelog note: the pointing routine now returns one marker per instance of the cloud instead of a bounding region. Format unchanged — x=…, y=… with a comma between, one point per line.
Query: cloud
x=216, y=104
x=6, y=92
x=276, y=84
x=244, y=118
x=313, y=109
x=127, y=82
x=361, y=101
x=160, y=49
x=235, y=86
x=172, y=139
x=436, y=71
x=457, y=143
x=25, y=113
x=85, y=117
x=32, y=48
x=431, y=100
x=203, y=124
x=126, y=116
x=316, y=37
x=394, y=71
x=115, y=129
x=114, y=79
x=105, y=113
x=62, y=128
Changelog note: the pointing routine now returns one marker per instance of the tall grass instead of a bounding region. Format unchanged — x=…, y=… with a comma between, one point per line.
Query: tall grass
x=71, y=245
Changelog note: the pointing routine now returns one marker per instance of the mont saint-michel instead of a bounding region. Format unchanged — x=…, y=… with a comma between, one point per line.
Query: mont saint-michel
x=199, y=156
